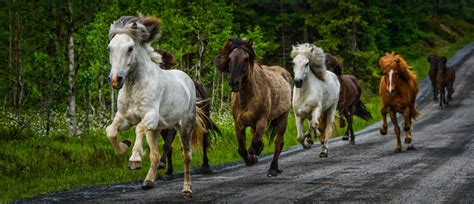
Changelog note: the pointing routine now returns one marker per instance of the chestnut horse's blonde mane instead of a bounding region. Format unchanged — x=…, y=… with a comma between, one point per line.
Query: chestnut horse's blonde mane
x=390, y=58
x=315, y=56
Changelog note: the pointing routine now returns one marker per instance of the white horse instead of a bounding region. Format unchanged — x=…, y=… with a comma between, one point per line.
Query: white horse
x=315, y=94
x=149, y=97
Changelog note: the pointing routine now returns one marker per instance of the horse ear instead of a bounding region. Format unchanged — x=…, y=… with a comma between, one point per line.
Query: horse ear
x=134, y=26
x=250, y=42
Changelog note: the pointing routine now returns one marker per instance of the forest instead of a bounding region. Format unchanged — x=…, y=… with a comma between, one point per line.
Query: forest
x=54, y=63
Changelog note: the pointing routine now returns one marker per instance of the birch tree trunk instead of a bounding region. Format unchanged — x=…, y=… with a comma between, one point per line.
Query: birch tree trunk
x=71, y=113
x=19, y=83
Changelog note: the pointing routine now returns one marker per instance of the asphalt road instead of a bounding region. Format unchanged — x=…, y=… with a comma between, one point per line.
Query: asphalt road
x=441, y=169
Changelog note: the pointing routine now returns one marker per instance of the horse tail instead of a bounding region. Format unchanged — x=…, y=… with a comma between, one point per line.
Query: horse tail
x=203, y=126
x=272, y=130
x=362, y=111
x=414, y=113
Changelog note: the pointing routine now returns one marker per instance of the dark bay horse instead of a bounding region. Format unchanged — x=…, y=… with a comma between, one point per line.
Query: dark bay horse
x=261, y=98
x=349, y=103
x=169, y=135
x=398, y=89
x=433, y=72
x=444, y=82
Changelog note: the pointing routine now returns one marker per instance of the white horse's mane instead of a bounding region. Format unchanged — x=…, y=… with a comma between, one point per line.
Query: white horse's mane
x=315, y=56
x=124, y=26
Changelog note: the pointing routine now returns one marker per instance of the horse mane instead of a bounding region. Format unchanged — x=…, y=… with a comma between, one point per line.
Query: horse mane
x=222, y=59
x=144, y=29
x=332, y=64
x=405, y=72
x=442, y=63
x=316, y=58
x=167, y=59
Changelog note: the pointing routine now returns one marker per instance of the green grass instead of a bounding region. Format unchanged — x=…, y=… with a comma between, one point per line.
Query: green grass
x=33, y=165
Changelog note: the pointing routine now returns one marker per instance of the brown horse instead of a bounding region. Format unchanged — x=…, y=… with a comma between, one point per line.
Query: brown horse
x=433, y=72
x=398, y=89
x=168, y=135
x=349, y=103
x=261, y=96
x=445, y=80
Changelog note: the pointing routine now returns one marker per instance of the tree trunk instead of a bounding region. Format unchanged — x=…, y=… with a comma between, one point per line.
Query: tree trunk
x=71, y=114
x=10, y=53
x=200, y=57
x=19, y=83
x=222, y=94
x=283, y=34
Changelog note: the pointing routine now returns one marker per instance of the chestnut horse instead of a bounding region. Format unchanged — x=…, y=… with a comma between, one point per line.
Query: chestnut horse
x=433, y=72
x=261, y=96
x=398, y=89
x=168, y=135
x=444, y=82
x=349, y=103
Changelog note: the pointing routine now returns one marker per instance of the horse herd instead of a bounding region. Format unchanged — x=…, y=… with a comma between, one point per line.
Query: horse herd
x=157, y=99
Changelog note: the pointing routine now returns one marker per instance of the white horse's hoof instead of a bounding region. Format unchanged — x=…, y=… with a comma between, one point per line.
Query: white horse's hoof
x=134, y=165
x=187, y=193
x=147, y=185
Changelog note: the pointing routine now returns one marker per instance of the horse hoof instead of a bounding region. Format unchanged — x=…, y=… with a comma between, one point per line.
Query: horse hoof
x=323, y=155
x=187, y=193
x=273, y=172
x=345, y=137
x=398, y=149
x=410, y=147
x=147, y=185
x=167, y=177
x=127, y=142
x=383, y=131
x=204, y=170
x=134, y=165
x=161, y=165
x=253, y=160
x=352, y=142
x=407, y=140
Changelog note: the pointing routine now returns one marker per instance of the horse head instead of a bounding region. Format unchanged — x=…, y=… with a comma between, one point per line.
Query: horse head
x=307, y=57
x=333, y=65
x=394, y=69
x=442, y=63
x=237, y=58
x=130, y=38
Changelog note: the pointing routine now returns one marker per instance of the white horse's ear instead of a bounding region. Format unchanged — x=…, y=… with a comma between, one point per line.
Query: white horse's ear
x=134, y=26
x=293, y=47
x=311, y=50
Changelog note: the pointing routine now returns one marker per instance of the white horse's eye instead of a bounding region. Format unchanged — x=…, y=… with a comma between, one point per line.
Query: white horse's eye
x=130, y=49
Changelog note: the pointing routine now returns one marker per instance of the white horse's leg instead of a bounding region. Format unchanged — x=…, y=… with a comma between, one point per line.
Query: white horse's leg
x=148, y=123
x=299, y=130
x=119, y=123
x=185, y=138
x=313, y=124
x=331, y=114
x=152, y=140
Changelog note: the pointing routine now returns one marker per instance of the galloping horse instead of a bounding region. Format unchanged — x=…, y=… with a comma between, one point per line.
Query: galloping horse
x=261, y=95
x=349, y=103
x=433, y=72
x=315, y=94
x=398, y=89
x=149, y=97
x=444, y=82
x=169, y=134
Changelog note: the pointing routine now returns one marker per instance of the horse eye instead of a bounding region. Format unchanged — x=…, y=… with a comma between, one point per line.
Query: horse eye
x=130, y=49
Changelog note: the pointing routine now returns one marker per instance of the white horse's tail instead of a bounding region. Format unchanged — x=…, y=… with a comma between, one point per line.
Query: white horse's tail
x=200, y=127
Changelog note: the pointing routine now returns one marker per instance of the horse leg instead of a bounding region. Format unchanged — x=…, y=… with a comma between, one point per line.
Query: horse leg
x=393, y=116
x=441, y=97
x=450, y=91
x=119, y=123
x=299, y=130
x=282, y=122
x=257, y=139
x=314, y=123
x=328, y=121
x=185, y=132
x=162, y=164
x=435, y=90
x=346, y=114
x=407, y=128
x=349, y=127
x=384, y=111
x=205, y=169
x=135, y=161
x=168, y=153
x=240, y=133
x=152, y=140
